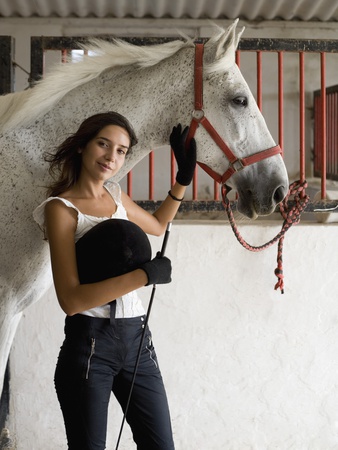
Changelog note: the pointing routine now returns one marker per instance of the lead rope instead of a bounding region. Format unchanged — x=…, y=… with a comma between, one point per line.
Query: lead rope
x=291, y=217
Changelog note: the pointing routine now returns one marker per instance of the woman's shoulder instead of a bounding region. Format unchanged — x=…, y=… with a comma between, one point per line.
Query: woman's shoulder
x=39, y=212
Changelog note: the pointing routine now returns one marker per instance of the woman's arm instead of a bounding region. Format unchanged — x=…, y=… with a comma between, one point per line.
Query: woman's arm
x=73, y=297
x=186, y=161
x=155, y=223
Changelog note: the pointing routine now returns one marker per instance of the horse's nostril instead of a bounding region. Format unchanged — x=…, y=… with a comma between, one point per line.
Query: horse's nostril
x=279, y=194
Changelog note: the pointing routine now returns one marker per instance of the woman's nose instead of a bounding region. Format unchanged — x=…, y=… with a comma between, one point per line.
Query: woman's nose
x=110, y=155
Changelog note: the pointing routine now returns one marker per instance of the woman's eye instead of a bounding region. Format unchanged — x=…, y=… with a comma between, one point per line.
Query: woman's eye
x=122, y=151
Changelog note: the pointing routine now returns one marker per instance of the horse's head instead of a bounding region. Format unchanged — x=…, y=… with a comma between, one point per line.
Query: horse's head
x=230, y=114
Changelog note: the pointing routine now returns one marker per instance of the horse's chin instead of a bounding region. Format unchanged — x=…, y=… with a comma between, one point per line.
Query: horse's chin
x=248, y=212
x=251, y=211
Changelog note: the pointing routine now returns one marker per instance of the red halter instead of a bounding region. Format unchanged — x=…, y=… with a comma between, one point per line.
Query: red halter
x=198, y=117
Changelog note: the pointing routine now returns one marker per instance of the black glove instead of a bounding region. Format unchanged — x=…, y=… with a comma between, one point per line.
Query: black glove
x=186, y=158
x=158, y=270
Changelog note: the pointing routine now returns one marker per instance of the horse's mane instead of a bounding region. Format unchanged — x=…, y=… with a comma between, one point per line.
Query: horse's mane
x=21, y=108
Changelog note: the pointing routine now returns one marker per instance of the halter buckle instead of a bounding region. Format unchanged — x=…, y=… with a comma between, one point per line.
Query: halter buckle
x=237, y=165
x=197, y=114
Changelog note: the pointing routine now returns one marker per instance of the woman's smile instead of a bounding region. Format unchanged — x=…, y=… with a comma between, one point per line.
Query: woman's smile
x=105, y=167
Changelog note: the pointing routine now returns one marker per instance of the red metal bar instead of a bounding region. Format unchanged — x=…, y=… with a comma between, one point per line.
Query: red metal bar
x=281, y=101
x=216, y=190
x=323, y=121
x=238, y=58
x=130, y=184
x=318, y=137
x=333, y=134
x=151, y=175
x=329, y=109
x=64, y=55
x=301, y=118
x=259, y=80
x=195, y=185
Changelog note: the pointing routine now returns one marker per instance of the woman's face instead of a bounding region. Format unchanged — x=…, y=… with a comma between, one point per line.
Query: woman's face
x=105, y=154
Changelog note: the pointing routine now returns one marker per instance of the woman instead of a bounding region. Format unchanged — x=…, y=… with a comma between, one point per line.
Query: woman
x=100, y=347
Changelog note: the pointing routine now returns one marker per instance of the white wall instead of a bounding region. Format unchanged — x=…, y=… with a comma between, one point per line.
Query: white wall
x=245, y=367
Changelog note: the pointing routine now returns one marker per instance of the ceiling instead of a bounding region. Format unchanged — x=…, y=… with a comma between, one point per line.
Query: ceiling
x=250, y=10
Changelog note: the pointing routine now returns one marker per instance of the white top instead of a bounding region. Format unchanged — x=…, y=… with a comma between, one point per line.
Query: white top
x=128, y=305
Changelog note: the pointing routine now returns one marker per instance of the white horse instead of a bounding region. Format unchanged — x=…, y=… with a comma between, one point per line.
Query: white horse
x=153, y=86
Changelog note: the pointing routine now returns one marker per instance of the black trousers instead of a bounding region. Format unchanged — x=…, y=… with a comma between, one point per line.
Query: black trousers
x=98, y=357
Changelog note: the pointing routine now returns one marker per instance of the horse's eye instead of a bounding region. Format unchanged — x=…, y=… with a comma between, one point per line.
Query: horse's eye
x=240, y=101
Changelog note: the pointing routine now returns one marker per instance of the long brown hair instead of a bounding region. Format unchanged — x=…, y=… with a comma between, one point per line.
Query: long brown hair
x=65, y=163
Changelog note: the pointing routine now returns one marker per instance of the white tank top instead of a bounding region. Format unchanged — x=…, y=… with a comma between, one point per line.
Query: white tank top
x=128, y=305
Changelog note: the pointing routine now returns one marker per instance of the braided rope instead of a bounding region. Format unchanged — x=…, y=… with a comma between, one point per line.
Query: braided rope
x=291, y=217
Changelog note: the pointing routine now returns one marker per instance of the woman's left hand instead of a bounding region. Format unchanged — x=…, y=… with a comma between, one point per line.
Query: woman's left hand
x=186, y=158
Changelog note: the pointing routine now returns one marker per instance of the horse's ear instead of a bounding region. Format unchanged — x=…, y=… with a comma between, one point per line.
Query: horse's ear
x=229, y=40
x=224, y=45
